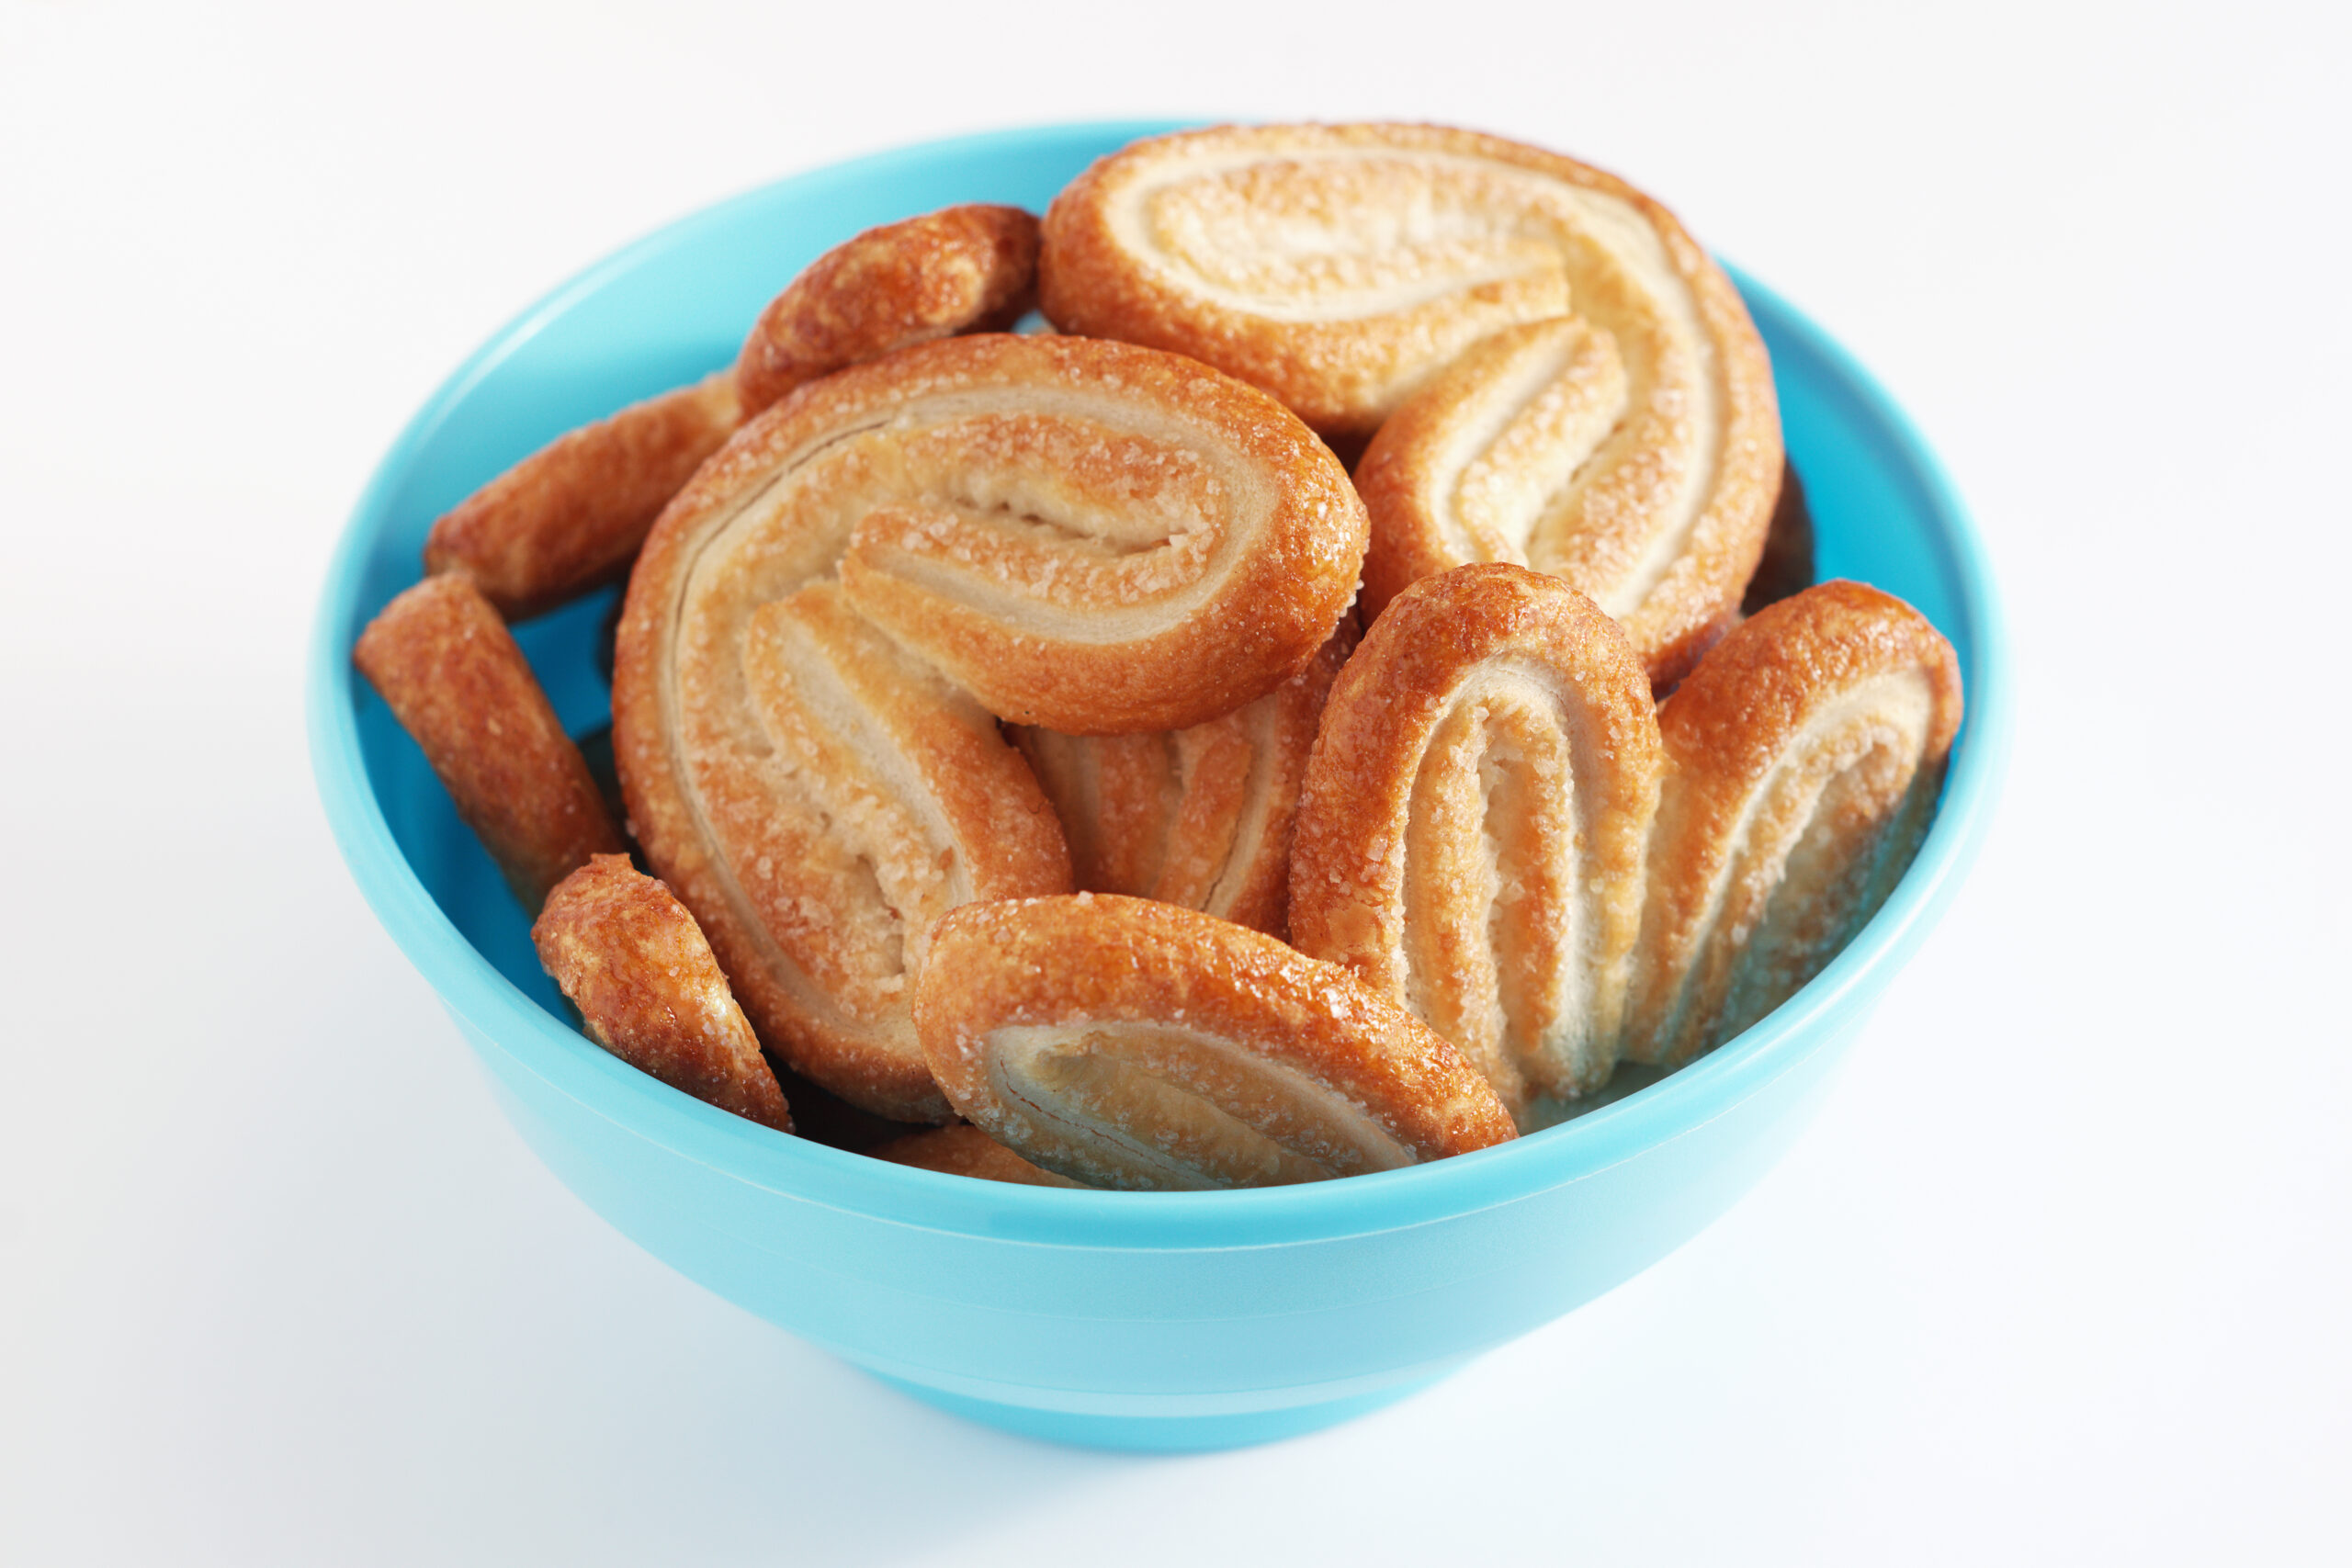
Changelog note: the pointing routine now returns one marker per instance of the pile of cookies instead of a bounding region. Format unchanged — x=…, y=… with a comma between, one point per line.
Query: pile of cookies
x=1048, y=739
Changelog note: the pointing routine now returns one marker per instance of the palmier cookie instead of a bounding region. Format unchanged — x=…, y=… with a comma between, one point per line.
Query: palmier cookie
x=570, y=516
x=970, y=268
x=451, y=672
x=634, y=963
x=1198, y=817
x=1804, y=759
x=1129, y=1043
x=1621, y=430
x=961, y=1149
x=1471, y=832
x=1074, y=524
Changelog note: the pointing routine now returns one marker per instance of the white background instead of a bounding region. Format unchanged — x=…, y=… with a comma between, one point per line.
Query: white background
x=2060, y=1276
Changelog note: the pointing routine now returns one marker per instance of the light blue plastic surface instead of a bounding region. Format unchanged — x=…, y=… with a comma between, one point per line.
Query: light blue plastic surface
x=1148, y=1320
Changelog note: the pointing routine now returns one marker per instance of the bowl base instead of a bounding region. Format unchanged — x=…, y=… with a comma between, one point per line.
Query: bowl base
x=1160, y=1434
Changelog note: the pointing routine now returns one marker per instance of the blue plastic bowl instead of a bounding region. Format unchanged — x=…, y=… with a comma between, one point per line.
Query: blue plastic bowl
x=1145, y=1321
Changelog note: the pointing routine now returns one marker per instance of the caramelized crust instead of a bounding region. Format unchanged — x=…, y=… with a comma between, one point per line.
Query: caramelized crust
x=1470, y=834
x=649, y=990
x=1570, y=383
x=1198, y=817
x=970, y=268
x=1135, y=1044
x=569, y=517
x=1804, y=759
x=1536, y=447
x=964, y=1150
x=449, y=670
x=1090, y=533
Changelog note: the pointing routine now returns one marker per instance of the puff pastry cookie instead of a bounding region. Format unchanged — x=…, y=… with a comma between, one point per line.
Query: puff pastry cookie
x=1094, y=535
x=451, y=672
x=970, y=268
x=1471, y=833
x=1561, y=377
x=1130, y=1044
x=569, y=517
x=1804, y=759
x=633, y=962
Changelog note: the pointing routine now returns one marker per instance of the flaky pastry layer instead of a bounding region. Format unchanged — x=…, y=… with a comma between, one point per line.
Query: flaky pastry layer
x=1135, y=1044
x=824, y=620
x=1804, y=759
x=1471, y=832
x=1560, y=377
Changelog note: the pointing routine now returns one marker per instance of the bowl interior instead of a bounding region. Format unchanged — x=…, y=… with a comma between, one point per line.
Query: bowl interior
x=677, y=306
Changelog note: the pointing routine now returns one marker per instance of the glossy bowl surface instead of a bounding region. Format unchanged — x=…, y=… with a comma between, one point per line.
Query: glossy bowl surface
x=1159, y=1320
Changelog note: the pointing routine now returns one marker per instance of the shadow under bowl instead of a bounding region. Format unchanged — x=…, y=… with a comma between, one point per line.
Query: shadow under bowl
x=1150, y=1320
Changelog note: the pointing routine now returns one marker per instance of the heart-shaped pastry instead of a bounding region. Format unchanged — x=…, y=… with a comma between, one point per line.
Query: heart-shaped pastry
x=1804, y=759
x=1091, y=535
x=1130, y=1044
x=1471, y=832
x=1567, y=381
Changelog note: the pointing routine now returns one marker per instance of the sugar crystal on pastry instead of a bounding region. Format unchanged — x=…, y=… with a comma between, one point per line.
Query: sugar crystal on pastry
x=1559, y=374
x=1131, y=1043
x=1471, y=832
x=1033, y=528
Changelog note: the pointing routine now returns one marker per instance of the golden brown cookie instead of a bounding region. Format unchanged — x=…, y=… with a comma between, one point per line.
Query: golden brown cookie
x=1471, y=832
x=1804, y=759
x=569, y=517
x=1050, y=527
x=970, y=268
x=450, y=671
x=1134, y=1044
x=649, y=990
x=1198, y=817
x=1567, y=381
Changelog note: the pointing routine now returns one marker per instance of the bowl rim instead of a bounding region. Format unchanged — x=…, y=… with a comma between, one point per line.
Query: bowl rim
x=500, y=1017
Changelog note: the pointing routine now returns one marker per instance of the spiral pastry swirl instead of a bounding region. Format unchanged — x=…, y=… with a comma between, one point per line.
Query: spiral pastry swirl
x=1624, y=434
x=1804, y=759
x=829, y=619
x=1471, y=832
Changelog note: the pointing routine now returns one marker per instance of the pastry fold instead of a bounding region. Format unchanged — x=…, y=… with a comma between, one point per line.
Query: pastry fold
x=649, y=990
x=1804, y=756
x=446, y=666
x=1129, y=1043
x=1471, y=832
x=1198, y=817
x=1560, y=377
